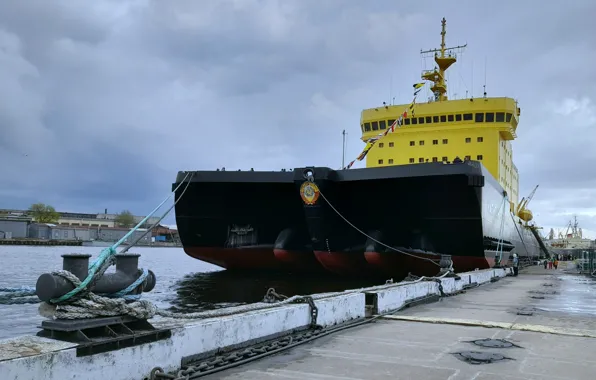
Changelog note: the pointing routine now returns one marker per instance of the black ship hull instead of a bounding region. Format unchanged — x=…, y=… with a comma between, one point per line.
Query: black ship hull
x=244, y=220
x=377, y=221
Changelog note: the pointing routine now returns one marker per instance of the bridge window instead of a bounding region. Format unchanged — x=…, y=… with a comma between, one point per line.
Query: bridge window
x=435, y=142
x=429, y=120
x=375, y=126
x=391, y=160
x=407, y=121
x=382, y=124
x=420, y=120
x=467, y=116
x=480, y=139
x=390, y=145
x=435, y=159
x=500, y=117
x=412, y=143
x=435, y=119
x=411, y=160
x=508, y=118
x=445, y=141
x=414, y=120
x=479, y=157
x=381, y=145
x=479, y=117
x=449, y=117
x=421, y=159
x=390, y=122
x=367, y=127
x=467, y=158
x=468, y=140
x=443, y=118
x=421, y=142
x=444, y=159
x=381, y=162
x=490, y=117
x=458, y=117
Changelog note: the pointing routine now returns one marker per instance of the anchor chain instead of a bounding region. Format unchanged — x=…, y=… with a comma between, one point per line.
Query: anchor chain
x=235, y=358
x=438, y=281
x=241, y=356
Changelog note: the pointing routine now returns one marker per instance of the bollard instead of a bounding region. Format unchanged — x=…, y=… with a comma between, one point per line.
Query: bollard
x=446, y=265
x=49, y=286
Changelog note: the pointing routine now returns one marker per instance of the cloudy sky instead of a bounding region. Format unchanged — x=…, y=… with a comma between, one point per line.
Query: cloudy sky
x=102, y=102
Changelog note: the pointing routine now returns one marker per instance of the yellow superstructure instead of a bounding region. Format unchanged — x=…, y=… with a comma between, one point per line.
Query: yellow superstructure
x=440, y=130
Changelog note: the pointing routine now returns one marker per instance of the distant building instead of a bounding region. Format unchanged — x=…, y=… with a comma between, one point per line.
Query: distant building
x=106, y=234
x=165, y=234
x=104, y=220
x=14, y=227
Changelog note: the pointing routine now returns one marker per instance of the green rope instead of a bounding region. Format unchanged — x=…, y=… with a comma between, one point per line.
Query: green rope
x=106, y=256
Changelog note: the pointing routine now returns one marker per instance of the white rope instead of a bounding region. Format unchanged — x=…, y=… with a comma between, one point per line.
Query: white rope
x=94, y=306
x=501, y=241
x=91, y=305
x=370, y=237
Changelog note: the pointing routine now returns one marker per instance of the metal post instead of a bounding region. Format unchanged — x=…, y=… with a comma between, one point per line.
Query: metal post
x=77, y=264
x=343, y=150
x=446, y=264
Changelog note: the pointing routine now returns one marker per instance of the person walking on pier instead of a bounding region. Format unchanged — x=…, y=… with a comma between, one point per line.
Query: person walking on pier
x=556, y=263
x=545, y=263
x=515, y=264
x=550, y=263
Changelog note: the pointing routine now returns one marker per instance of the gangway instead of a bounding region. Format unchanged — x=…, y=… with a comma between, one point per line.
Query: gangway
x=543, y=246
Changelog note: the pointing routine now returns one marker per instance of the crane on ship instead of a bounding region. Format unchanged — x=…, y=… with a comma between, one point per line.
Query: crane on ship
x=522, y=211
x=525, y=214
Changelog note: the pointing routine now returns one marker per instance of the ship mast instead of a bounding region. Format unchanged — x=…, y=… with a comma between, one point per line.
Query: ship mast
x=444, y=57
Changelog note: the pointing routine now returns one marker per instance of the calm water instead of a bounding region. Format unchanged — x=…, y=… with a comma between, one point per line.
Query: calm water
x=183, y=284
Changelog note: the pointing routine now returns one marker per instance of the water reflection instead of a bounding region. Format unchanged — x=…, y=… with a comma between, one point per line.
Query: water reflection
x=205, y=291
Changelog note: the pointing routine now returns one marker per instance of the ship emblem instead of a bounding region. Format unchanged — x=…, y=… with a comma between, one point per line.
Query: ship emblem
x=309, y=193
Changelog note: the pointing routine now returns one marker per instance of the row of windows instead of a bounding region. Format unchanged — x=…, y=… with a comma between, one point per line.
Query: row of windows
x=434, y=159
x=479, y=117
x=435, y=142
x=80, y=224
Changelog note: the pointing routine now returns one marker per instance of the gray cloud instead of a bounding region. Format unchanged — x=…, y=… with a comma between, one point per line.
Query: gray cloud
x=101, y=105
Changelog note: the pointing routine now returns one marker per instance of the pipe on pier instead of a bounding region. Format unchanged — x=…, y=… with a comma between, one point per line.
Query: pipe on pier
x=50, y=286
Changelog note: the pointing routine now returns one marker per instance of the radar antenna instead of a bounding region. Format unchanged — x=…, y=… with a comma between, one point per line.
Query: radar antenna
x=444, y=61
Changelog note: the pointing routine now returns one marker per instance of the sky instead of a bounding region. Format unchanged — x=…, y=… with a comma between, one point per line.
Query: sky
x=103, y=102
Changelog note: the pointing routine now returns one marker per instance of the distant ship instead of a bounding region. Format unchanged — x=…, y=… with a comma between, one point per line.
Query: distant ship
x=443, y=182
x=569, y=242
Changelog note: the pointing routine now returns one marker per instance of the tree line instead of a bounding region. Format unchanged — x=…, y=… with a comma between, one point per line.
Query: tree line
x=44, y=213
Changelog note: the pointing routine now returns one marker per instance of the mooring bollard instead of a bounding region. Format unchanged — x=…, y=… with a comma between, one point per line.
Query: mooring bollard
x=446, y=264
x=49, y=286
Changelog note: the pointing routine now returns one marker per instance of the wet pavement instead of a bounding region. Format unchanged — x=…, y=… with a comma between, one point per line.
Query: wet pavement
x=539, y=325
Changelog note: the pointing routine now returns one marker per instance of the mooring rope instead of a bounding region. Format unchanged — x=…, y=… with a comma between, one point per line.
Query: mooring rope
x=501, y=241
x=106, y=258
x=18, y=295
x=84, y=304
x=93, y=306
x=372, y=238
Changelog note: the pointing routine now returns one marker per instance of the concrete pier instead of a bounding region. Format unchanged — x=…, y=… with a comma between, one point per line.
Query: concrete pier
x=539, y=325
x=546, y=317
